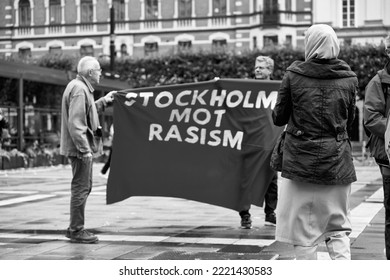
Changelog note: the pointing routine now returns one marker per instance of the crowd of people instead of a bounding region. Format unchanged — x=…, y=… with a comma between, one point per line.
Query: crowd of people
x=315, y=104
x=3, y=128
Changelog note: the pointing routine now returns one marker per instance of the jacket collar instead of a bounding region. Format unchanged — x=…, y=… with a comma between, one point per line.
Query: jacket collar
x=384, y=74
x=83, y=79
x=322, y=68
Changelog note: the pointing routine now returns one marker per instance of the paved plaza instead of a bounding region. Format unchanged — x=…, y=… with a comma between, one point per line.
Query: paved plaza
x=34, y=207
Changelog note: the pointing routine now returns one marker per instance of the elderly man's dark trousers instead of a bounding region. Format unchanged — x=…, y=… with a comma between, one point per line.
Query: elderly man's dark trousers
x=80, y=189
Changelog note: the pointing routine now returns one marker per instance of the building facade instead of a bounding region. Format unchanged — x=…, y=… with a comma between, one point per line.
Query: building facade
x=155, y=27
x=150, y=27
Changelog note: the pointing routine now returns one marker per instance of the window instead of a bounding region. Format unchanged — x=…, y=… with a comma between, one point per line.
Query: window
x=219, y=45
x=124, y=50
x=119, y=9
x=86, y=50
x=347, y=41
x=271, y=6
x=24, y=13
x=348, y=13
x=185, y=8
x=86, y=11
x=270, y=41
x=289, y=15
x=55, y=50
x=151, y=48
x=151, y=9
x=184, y=46
x=288, y=42
x=219, y=7
x=288, y=5
x=271, y=12
x=24, y=53
x=254, y=42
x=55, y=11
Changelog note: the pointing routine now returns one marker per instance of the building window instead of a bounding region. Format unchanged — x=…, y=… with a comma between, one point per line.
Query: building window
x=184, y=46
x=86, y=11
x=219, y=45
x=270, y=41
x=55, y=50
x=219, y=7
x=24, y=53
x=348, y=13
x=119, y=10
x=124, y=50
x=288, y=5
x=254, y=42
x=24, y=13
x=288, y=42
x=347, y=42
x=185, y=8
x=151, y=48
x=86, y=50
x=271, y=6
x=55, y=11
x=289, y=14
x=271, y=12
x=151, y=9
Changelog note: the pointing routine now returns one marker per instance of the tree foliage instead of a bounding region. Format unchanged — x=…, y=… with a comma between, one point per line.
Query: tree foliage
x=190, y=67
x=365, y=61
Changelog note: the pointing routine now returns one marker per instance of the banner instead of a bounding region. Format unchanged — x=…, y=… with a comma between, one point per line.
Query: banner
x=210, y=142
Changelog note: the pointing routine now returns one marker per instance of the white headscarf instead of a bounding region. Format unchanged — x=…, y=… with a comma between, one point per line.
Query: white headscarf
x=321, y=42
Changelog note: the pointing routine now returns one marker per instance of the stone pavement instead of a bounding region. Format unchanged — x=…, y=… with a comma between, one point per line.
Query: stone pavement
x=34, y=212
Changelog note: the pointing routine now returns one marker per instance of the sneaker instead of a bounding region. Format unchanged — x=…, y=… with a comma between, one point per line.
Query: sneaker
x=83, y=236
x=270, y=220
x=246, y=221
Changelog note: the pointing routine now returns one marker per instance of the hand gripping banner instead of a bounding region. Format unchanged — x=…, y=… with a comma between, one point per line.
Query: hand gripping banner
x=210, y=142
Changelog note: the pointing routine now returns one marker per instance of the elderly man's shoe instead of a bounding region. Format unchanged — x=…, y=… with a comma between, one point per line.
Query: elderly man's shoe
x=83, y=236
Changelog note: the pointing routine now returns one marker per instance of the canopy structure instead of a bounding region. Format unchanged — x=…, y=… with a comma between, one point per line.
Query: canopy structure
x=21, y=72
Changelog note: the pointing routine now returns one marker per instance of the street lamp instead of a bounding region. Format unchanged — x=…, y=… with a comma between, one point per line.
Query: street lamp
x=112, y=38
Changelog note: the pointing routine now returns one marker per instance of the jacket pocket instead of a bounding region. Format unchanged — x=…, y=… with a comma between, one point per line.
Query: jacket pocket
x=93, y=140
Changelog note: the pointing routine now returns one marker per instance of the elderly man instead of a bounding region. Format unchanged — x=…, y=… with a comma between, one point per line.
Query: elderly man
x=375, y=112
x=264, y=67
x=81, y=139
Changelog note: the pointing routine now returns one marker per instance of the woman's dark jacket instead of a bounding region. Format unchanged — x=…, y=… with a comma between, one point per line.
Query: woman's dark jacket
x=375, y=112
x=317, y=102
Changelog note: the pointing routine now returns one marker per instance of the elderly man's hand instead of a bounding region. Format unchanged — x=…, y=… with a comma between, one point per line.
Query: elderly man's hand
x=109, y=97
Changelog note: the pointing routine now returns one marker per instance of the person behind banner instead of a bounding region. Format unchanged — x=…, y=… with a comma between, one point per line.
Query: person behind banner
x=375, y=115
x=264, y=67
x=317, y=102
x=81, y=139
x=107, y=165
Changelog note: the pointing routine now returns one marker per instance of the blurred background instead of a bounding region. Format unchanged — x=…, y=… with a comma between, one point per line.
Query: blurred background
x=142, y=43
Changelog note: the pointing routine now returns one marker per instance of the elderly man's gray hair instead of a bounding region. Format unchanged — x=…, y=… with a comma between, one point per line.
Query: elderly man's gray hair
x=85, y=64
x=269, y=61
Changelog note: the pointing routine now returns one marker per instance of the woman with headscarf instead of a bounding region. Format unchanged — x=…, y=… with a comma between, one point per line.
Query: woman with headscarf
x=317, y=102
